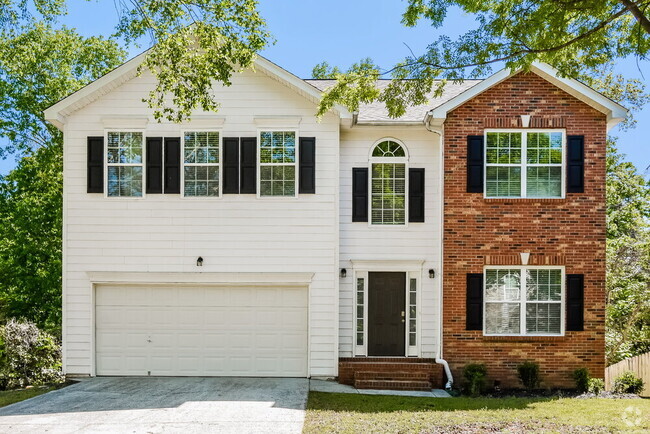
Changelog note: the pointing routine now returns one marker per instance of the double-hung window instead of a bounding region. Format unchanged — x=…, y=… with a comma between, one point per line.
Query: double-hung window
x=523, y=301
x=524, y=164
x=124, y=164
x=201, y=158
x=277, y=163
x=388, y=184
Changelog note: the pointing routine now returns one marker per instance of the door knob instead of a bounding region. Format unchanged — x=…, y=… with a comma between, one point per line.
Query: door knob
x=403, y=314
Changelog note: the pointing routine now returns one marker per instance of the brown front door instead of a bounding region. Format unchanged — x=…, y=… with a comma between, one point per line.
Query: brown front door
x=386, y=307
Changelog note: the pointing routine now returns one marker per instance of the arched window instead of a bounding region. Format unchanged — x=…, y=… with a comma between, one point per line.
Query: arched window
x=388, y=161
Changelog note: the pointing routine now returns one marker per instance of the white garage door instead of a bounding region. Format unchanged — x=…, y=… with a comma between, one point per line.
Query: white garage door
x=201, y=331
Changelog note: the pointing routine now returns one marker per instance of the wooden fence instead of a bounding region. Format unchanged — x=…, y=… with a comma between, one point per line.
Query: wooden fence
x=640, y=365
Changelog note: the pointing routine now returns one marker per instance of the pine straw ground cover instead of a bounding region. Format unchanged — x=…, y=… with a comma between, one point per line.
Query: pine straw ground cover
x=351, y=413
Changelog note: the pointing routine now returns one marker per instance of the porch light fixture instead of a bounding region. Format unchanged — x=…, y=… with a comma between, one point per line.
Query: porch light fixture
x=344, y=273
x=432, y=273
x=199, y=262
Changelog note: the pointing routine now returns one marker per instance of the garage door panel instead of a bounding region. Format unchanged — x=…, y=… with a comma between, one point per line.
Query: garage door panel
x=211, y=331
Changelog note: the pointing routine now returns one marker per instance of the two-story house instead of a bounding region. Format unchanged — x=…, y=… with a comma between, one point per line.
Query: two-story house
x=261, y=241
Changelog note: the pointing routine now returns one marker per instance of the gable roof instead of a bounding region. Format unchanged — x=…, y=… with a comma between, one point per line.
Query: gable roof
x=375, y=113
x=614, y=111
x=56, y=113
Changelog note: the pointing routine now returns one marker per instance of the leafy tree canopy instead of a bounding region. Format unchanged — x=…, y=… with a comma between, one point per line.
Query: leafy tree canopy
x=574, y=36
x=193, y=43
x=38, y=66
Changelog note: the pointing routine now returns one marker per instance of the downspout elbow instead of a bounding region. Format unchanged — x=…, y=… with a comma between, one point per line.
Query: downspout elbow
x=450, y=378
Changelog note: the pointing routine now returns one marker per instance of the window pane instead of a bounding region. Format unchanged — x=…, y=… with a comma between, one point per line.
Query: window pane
x=125, y=148
x=503, y=181
x=502, y=318
x=544, y=148
x=124, y=181
x=502, y=285
x=388, y=148
x=544, y=285
x=278, y=148
x=544, y=181
x=201, y=181
x=388, y=189
x=543, y=318
x=503, y=148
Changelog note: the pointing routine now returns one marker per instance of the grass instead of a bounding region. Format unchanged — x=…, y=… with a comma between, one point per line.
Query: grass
x=351, y=413
x=12, y=396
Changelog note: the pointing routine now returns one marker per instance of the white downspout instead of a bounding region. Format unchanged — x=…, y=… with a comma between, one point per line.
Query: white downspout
x=440, y=361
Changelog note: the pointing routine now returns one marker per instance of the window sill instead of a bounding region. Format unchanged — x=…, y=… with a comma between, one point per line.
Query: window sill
x=524, y=338
x=524, y=200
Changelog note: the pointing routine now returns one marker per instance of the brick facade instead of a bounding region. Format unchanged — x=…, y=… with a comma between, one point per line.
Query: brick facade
x=569, y=232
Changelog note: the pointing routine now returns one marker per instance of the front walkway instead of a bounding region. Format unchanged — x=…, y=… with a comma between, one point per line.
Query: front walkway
x=156, y=404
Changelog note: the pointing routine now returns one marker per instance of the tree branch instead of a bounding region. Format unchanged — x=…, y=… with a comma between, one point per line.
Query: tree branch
x=631, y=6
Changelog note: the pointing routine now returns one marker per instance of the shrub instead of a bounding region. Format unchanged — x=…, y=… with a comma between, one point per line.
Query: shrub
x=31, y=356
x=596, y=385
x=581, y=377
x=529, y=375
x=475, y=374
x=627, y=382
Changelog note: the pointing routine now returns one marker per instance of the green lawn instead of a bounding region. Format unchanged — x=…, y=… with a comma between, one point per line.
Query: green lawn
x=10, y=396
x=337, y=412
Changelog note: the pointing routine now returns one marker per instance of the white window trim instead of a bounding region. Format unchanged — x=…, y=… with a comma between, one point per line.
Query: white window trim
x=522, y=299
x=260, y=164
x=411, y=273
x=143, y=164
x=523, y=165
x=395, y=160
x=183, y=164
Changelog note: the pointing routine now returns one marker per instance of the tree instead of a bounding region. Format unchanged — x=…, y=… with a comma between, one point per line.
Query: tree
x=38, y=66
x=574, y=36
x=192, y=43
x=628, y=259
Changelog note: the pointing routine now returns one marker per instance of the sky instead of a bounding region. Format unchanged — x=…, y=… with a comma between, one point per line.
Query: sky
x=342, y=32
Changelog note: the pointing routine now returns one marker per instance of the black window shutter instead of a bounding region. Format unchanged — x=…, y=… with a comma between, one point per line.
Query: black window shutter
x=307, y=171
x=360, y=194
x=231, y=165
x=95, y=165
x=172, y=158
x=248, y=166
x=575, y=164
x=474, y=303
x=475, y=164
x=416, y=195
x=575, y=300
x=154, y=165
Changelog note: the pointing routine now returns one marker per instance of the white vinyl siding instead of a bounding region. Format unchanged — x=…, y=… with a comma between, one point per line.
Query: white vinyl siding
x=524, y=164
x=523, y=301
x=237, y=235
x=392, y=245
x=124, y=163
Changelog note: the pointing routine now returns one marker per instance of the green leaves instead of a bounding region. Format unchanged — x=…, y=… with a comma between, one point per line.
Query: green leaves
x=573, y=36
x=196, y=43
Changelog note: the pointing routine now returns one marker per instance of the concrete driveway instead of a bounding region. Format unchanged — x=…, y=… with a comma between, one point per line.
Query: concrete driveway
x=156, y=405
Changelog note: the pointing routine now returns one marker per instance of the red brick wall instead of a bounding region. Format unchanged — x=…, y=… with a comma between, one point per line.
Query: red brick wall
x=568, y=231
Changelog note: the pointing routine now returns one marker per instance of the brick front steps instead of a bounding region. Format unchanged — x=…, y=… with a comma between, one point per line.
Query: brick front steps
x=390, y=373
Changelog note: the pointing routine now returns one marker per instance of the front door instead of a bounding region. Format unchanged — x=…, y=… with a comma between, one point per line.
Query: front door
x=386, y=314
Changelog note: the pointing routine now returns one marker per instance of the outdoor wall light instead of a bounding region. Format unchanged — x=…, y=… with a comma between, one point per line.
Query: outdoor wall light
x=199, y=262
x=432, y=273
x=344, y=273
